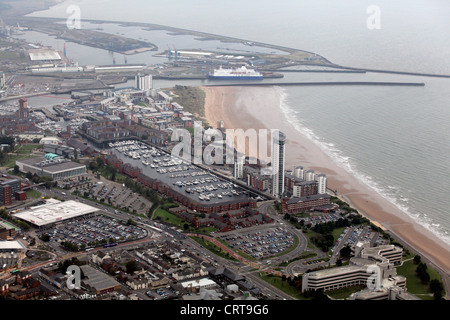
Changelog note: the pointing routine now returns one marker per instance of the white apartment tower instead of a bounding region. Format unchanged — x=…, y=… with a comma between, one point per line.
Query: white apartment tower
x=299, y=172
x=144, y=82
x=278, y=163
x=238, y=167
x=310, y=175
x=322, y=181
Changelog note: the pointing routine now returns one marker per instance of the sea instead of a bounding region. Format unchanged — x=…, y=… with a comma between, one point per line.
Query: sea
x=394, y=139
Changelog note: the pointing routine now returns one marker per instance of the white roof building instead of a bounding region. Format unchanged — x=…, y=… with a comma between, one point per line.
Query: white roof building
x=55, y=212
x=43, y=55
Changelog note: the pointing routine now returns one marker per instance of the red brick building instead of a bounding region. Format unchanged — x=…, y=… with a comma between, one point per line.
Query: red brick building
x=304, y=204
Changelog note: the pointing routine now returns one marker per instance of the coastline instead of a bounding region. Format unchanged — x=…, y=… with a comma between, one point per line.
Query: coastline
x=259, y=108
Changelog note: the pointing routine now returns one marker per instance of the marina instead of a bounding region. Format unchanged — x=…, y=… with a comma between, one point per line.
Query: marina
x=196, y=183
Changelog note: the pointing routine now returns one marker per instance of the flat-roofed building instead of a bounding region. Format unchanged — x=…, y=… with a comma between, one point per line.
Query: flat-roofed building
x=196, y=285
x=8, y=189
x=43, y=55
x=55, y=211
x=65, y=151
x=368, y=264
x=388, y=251
x=57, y=168
x=7, y=231
x=98, y=282
x=303, y=204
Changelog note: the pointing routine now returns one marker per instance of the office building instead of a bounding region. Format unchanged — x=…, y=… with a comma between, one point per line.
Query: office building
x=8, y=190
x=372, y=267
x=278, y=163
x=303, y=204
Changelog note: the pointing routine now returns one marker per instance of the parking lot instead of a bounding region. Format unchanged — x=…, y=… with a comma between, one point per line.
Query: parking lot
x=162, y=293
x=94, y=230
x=317, y=217
x=352, y=235
x=261, y=243
x=117, y=195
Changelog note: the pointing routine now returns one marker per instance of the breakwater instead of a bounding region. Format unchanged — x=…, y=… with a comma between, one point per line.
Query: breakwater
x=334, y=83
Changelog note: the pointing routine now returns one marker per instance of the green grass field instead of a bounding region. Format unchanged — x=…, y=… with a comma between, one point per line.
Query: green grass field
x=20, y=152
x=33, y=194
x=213, y=248
x=413, y=283
x=168, y=217
x=283, y=285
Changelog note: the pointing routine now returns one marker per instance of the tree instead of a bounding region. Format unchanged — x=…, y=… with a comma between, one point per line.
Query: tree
x=422, y=272
x=345, y=252
x=45, y=237
x=131, y=266
x=436, y=286
x=100, y=162
x=417, y=259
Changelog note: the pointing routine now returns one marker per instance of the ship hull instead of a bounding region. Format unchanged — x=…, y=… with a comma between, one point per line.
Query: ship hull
x=235, y=77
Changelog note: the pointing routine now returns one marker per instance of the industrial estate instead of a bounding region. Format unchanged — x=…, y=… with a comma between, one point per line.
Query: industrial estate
x=94, y=183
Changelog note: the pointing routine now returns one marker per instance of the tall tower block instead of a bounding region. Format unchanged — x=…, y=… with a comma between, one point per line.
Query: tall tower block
x=278, y=163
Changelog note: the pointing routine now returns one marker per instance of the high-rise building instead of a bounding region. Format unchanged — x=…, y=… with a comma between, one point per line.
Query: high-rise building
x=322, y=180
x=310, y=175
x=2, y=79
x=24, y=112
x=278, y=163
x=238, y=167
x=144, y=82
x=299, y=172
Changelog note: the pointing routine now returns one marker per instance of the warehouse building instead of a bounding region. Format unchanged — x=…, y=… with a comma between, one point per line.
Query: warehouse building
x=98, y=282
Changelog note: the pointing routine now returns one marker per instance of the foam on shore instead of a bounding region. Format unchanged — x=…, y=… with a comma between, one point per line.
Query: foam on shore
x=390, y=193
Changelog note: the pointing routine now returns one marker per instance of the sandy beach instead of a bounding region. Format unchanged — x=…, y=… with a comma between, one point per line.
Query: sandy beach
x=259, y=108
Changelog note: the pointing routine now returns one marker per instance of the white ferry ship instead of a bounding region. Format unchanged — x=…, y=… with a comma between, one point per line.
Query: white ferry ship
x=241, y=73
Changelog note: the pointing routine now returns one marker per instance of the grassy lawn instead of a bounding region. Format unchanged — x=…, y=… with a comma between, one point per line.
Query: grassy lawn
x=213, y=248
x=284, y=286
x=33, y=194
x=168, y=217
x=337, y=232
x=413, y=283
x=20, y=152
